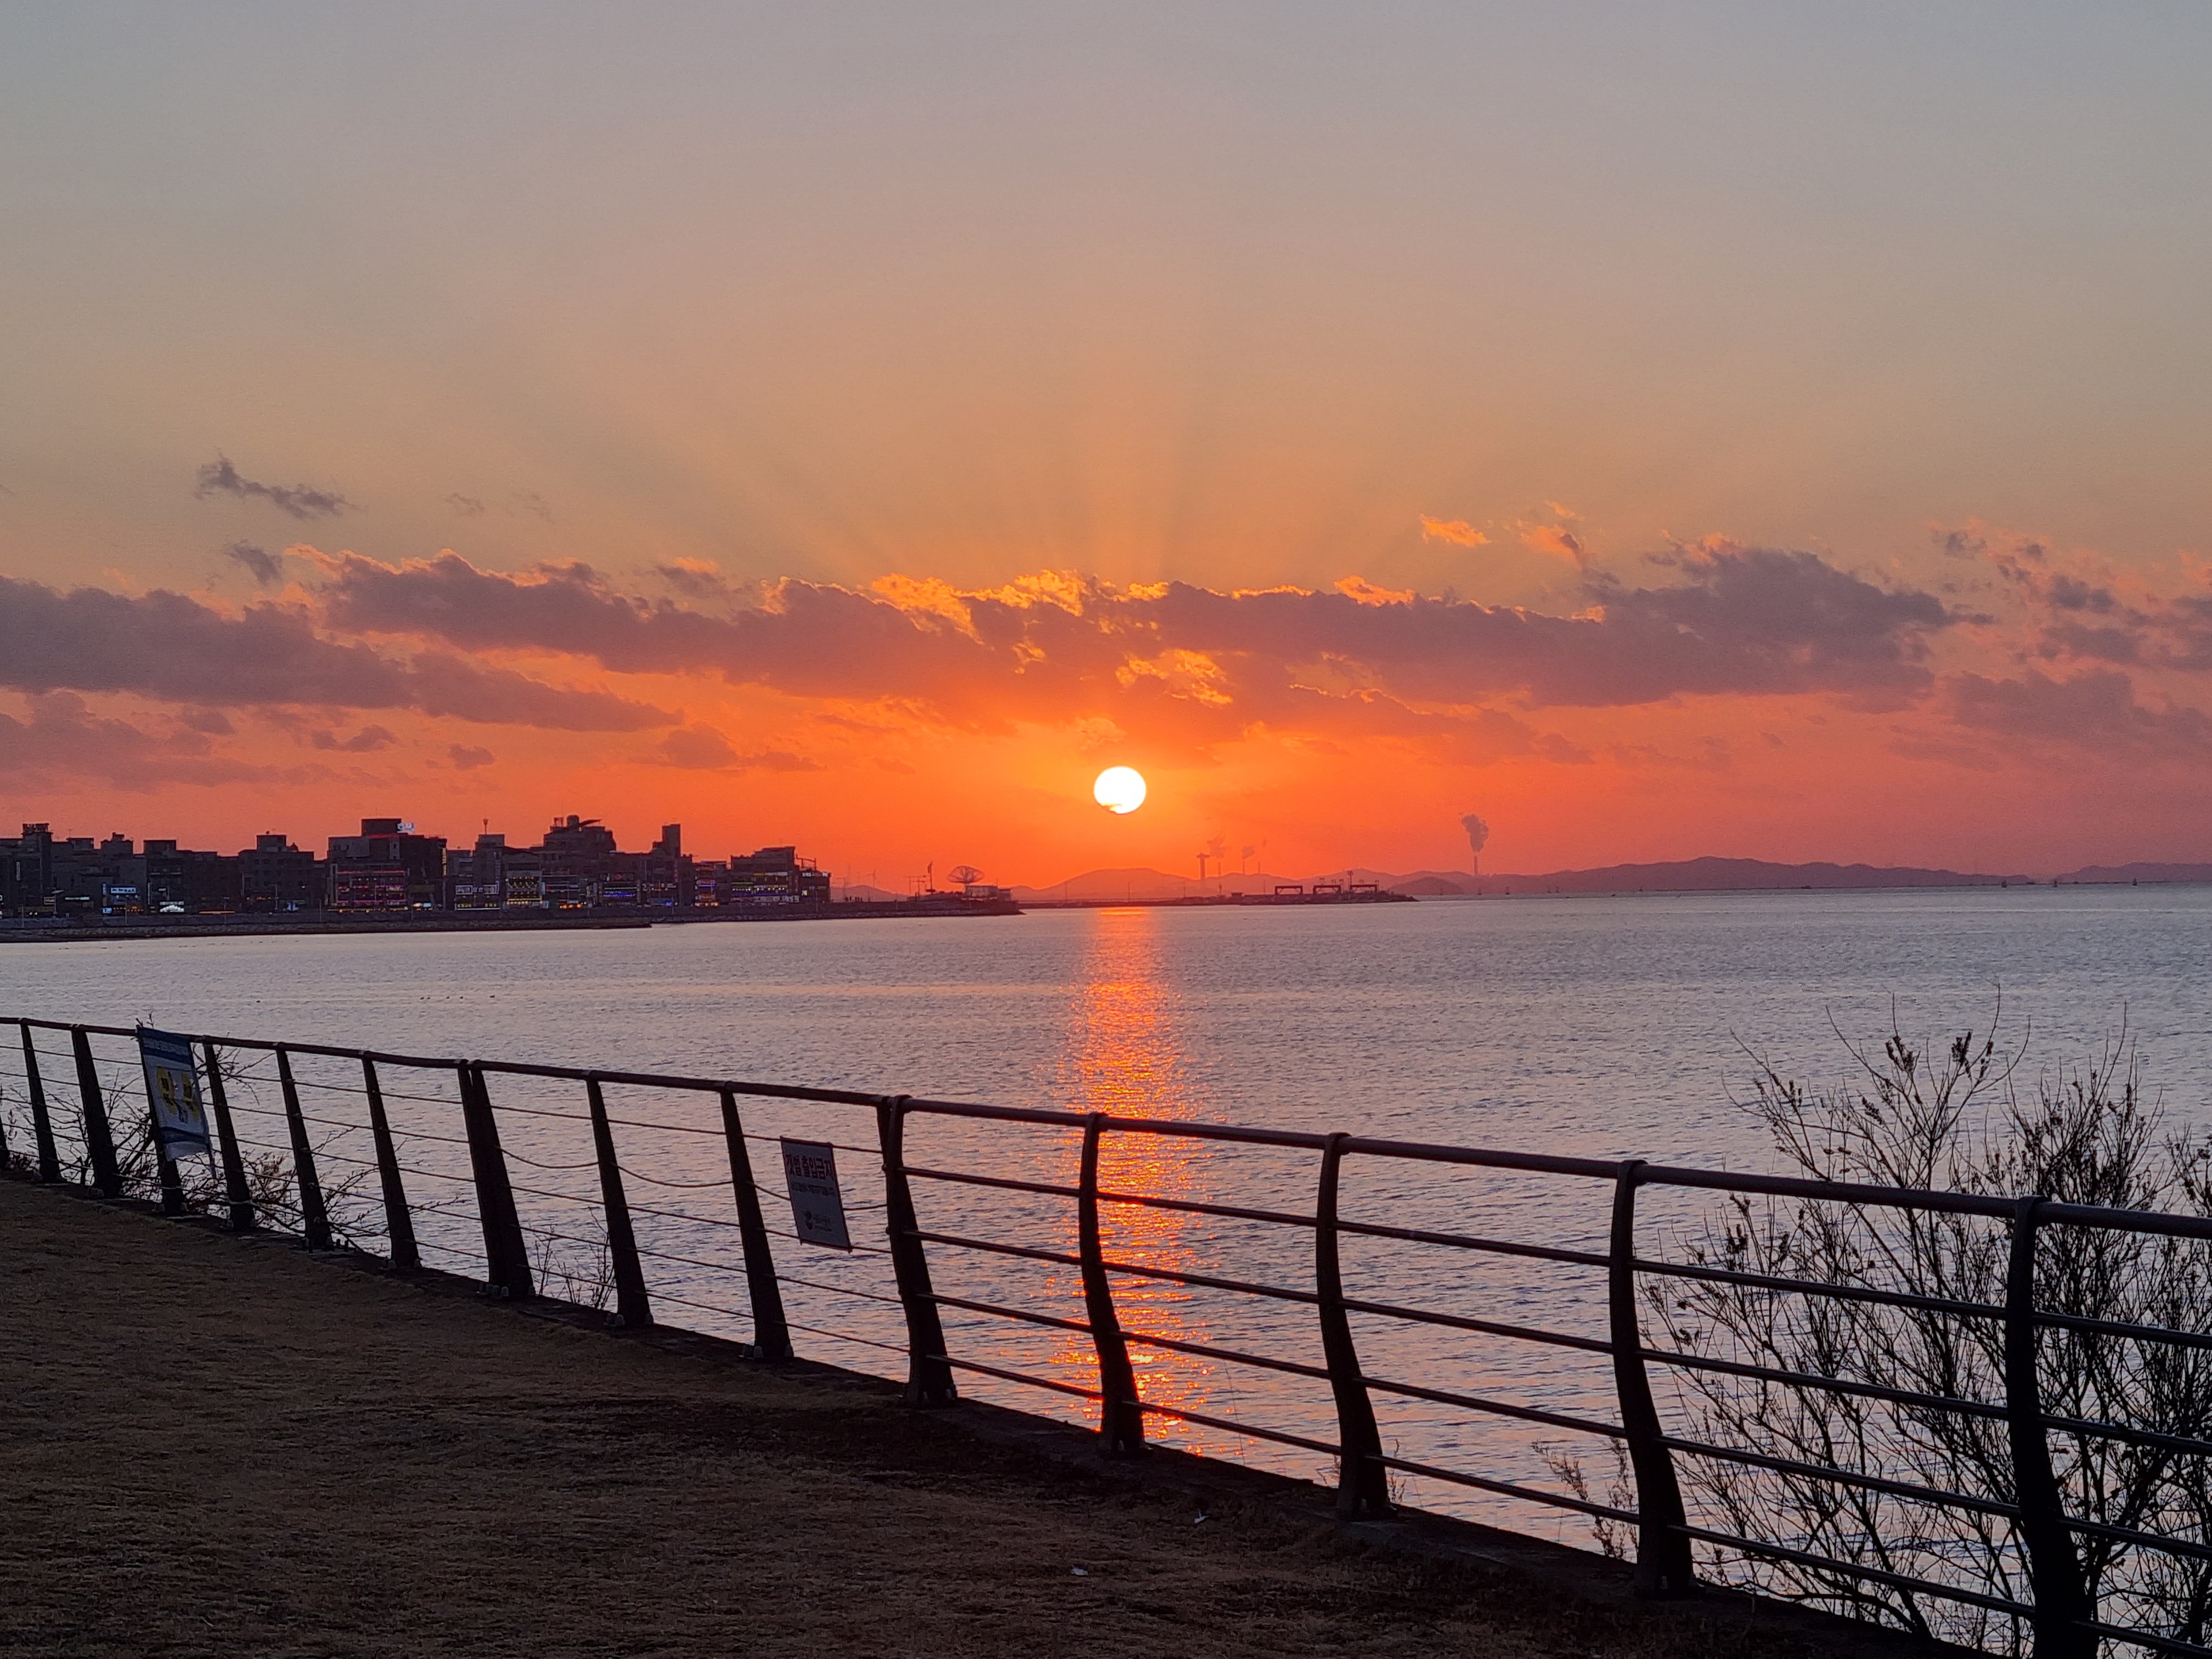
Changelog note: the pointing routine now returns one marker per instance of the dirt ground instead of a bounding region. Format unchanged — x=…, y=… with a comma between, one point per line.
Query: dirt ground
x=208, y=1445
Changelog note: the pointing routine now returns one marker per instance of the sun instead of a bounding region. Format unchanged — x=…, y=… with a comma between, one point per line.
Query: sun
x=1119, y=789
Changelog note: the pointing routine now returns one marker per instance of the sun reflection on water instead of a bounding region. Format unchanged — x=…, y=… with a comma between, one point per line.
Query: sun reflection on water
x=1123, y=1057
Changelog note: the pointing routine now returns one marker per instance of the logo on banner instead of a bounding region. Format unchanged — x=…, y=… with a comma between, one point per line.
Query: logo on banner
x=818, y=1207
x=172, y=1089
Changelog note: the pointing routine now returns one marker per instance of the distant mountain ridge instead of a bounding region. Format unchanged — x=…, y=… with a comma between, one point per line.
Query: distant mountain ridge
x=1700, y=875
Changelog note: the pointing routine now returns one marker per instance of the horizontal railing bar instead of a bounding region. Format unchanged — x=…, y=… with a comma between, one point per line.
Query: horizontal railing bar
x=2137, y=1437
x=1274, y=1292
x=1189, y=1206
x=673, y=1129
x=1484, y=1157
x=1021, y=1314
x=1833, y=1191
x=1473, y=1241
x=1510, y=1489
x=1001, y=1372
x=1112, y=1267
x=1006, y=1183
x=1499, y=1407
x=1828, y=1384
x=841, y=1336
x=2142, y=1639
x=685, y=1215
x=705, y=1307
x=692, y=1186
x=1228, y=1426
x=1194, y=1206
x=1905, y=1489
x=2165, y=1334
x=1850, y=1569
x=1028, y=1252
x=2149, y=1541
x=1233, y=1356
x=1815, y=1287
x=1485, y=1326
x=838, y=1290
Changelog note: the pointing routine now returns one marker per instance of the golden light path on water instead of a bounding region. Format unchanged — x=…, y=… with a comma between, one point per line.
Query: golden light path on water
x=1121, y=1058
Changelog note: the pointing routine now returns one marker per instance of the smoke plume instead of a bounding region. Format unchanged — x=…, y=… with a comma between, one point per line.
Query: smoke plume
x=1478, y=833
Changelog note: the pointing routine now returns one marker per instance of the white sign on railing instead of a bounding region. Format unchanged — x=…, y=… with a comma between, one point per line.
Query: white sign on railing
x=818, y=1207
x=172, y=1089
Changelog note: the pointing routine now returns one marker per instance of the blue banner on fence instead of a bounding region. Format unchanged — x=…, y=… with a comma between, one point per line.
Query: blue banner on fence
x=173, y=1089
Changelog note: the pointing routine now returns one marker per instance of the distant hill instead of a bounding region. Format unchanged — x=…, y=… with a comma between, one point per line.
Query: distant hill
x=1715, y=875
x=2098, y=874
x=1143, y=883
x=1706, y=875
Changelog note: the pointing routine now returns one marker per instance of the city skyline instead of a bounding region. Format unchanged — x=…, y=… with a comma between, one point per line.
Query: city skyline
x=876, y=426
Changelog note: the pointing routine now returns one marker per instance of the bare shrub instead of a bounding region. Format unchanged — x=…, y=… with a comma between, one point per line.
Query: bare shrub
x=571, y=1269
x=1961, y=1120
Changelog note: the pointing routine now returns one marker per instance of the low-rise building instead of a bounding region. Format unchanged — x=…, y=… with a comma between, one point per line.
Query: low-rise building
x=387, y=866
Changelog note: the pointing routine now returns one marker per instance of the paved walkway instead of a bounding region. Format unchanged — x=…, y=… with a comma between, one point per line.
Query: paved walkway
x=214, y=1446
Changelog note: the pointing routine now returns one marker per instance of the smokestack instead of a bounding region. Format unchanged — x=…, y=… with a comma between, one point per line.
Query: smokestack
x=1478, y=833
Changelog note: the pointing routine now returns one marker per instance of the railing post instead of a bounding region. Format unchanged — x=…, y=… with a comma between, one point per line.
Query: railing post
x=929, y=1376
x=632, y=1306
x=42, y=1122
x=99, y=1141
x=240, y=1196
x=771, y=1336
x=507, y=1258
x=1121, y=1415
x=1663, y=1549
x=1363, y=1484
x=398, y=1219
x=2062, y=1599
x=314, y=1218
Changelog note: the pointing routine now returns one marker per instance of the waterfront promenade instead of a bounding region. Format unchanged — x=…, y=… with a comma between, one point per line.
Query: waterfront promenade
x=216, y=1445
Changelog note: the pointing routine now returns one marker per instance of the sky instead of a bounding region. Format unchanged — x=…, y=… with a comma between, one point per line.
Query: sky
x=1663, y=429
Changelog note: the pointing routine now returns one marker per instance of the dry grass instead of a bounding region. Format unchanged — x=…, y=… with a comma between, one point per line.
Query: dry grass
x=210, y=1446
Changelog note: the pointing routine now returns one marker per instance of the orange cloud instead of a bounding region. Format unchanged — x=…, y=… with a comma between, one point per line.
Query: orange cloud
x=1640, y=716
x=1555, y=539
x=1451, y=530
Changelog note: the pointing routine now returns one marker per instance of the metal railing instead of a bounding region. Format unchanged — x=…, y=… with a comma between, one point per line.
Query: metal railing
x=76, y=1139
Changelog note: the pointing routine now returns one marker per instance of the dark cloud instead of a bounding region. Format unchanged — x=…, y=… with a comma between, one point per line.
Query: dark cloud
x=219, y=478
x=266, y=569
x=695, y=579
x=64, y=741
x=2096, y=713
x=467, y=760
x=530, y=501
x=1182, y=661
x=703, y=749
x=176, y=649
x=367, y=741
x=468, y=506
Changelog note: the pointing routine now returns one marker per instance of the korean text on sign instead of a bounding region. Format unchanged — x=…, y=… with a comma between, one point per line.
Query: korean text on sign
x=818, y=1207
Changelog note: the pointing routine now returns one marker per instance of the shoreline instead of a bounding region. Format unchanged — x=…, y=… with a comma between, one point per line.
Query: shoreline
x=70, y=930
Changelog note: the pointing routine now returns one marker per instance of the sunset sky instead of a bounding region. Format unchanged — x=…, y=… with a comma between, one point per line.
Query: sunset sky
x=1770, y=430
